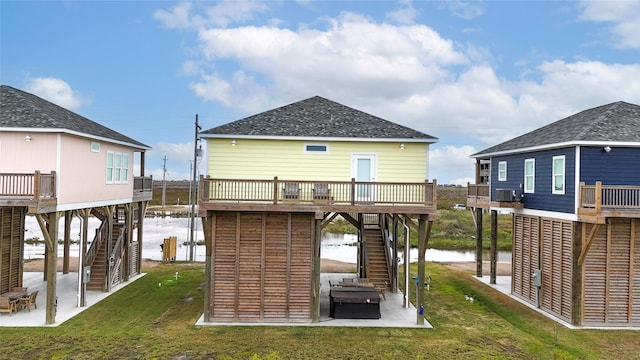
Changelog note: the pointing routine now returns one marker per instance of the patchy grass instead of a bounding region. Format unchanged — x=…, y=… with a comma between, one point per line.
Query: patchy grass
x=147, y=321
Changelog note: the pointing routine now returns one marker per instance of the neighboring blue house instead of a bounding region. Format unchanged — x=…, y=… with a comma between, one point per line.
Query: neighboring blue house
x=573, y=187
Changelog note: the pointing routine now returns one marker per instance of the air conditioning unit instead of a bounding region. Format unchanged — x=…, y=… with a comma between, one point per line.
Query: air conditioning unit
x=506, y=195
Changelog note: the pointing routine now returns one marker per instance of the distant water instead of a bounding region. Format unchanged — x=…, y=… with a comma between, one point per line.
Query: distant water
x=156, y=229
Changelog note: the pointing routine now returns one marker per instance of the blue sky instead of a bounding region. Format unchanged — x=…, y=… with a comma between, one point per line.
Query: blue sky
x=472, y=73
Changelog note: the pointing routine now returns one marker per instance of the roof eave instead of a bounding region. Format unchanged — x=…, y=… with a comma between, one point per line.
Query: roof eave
x=316, y=138
x=76, y=133
x=482, y=155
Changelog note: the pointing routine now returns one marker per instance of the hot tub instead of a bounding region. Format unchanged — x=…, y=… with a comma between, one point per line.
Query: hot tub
x=354, y=303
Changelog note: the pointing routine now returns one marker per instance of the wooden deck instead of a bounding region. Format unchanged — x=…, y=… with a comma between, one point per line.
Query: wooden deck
x=478, y=196
x=596, y=202
x=142, y=188
x=316, y=196
x=37, y=191
x=599, y=202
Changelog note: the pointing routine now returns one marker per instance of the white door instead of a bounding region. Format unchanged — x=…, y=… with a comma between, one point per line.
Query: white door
x=363, y=169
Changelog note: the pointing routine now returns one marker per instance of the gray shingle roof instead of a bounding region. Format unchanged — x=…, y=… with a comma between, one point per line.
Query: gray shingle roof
x=19, y=109
x=615, y=122
x=318, y=117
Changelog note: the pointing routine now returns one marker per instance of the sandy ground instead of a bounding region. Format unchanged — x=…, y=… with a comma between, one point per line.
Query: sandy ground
x=326, y=265
x=37, y=265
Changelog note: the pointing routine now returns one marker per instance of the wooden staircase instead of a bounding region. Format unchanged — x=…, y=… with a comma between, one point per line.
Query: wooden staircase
x=97, y=280
x=378, y=270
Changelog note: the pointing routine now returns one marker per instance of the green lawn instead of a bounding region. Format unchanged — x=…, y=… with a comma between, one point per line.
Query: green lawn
x=144, y=320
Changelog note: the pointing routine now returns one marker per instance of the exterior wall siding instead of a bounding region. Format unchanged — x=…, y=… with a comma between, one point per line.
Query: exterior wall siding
x=261, y=267
x=542, y=198
x=82, y=177
x=11, y=243
x=265, y=159
x=556, y=264
x=81, y=172
x=19, y=156
x=611, y=293
x=617, y=167
x=525, y=256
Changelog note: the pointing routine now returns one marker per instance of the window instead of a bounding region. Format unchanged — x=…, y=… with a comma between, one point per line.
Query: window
x=529, y=175
x=316, y=148
x=558, y=175
x=125, y=168
x=117, y=168
x=502, y=171
x=95, y=147
x=109, y=167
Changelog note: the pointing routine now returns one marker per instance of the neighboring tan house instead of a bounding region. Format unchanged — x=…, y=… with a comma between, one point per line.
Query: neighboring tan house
x=276, y=178
x=55, y=163
x=573, y=187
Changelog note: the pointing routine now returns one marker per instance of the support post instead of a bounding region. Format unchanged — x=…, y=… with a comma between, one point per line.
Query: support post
x=424, y=230
x=316, y=267
x=207, y=229
x=128, y=236
x=142, y=209
x=110, y=211
x=68, y=216
x=479, y=242
x=394, y=261
x=494, y=246
x=85, y=239
x=576, y=273
x=49, y=227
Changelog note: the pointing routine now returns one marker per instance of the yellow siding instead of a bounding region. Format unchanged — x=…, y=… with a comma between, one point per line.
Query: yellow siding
x=286, y=159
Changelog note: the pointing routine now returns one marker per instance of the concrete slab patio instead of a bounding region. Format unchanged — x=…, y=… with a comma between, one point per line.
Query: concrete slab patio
x=393, y=314
x=67, y=294
x=503, y=285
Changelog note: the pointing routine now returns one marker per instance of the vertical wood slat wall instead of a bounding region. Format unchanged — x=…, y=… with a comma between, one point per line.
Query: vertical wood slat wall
x=525, y=256
x=262, y=267
x=556, y=264
x=11, y=238
x=612, y=274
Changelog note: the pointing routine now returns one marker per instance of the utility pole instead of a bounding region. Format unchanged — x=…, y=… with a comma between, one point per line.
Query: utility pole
x=195, y=190
x=164, y=181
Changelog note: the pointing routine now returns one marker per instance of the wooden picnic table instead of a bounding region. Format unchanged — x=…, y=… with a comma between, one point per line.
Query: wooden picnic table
x=14, y=295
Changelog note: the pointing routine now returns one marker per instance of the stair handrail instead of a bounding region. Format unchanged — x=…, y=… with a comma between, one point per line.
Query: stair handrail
x=365, y=254
x=387, y=245
x=115, y=256
x=96, y=243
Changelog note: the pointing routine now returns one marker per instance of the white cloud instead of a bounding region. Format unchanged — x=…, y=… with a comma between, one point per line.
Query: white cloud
x=353, y=55
x=624, y=17
x=408, y=74
x=463, y=9
x=55, y=90
x=229, y=11
x=451, y=164
x=180, y=152
x=179, y=155
x=185, y=16
x=405, y=14
x=179, y=17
